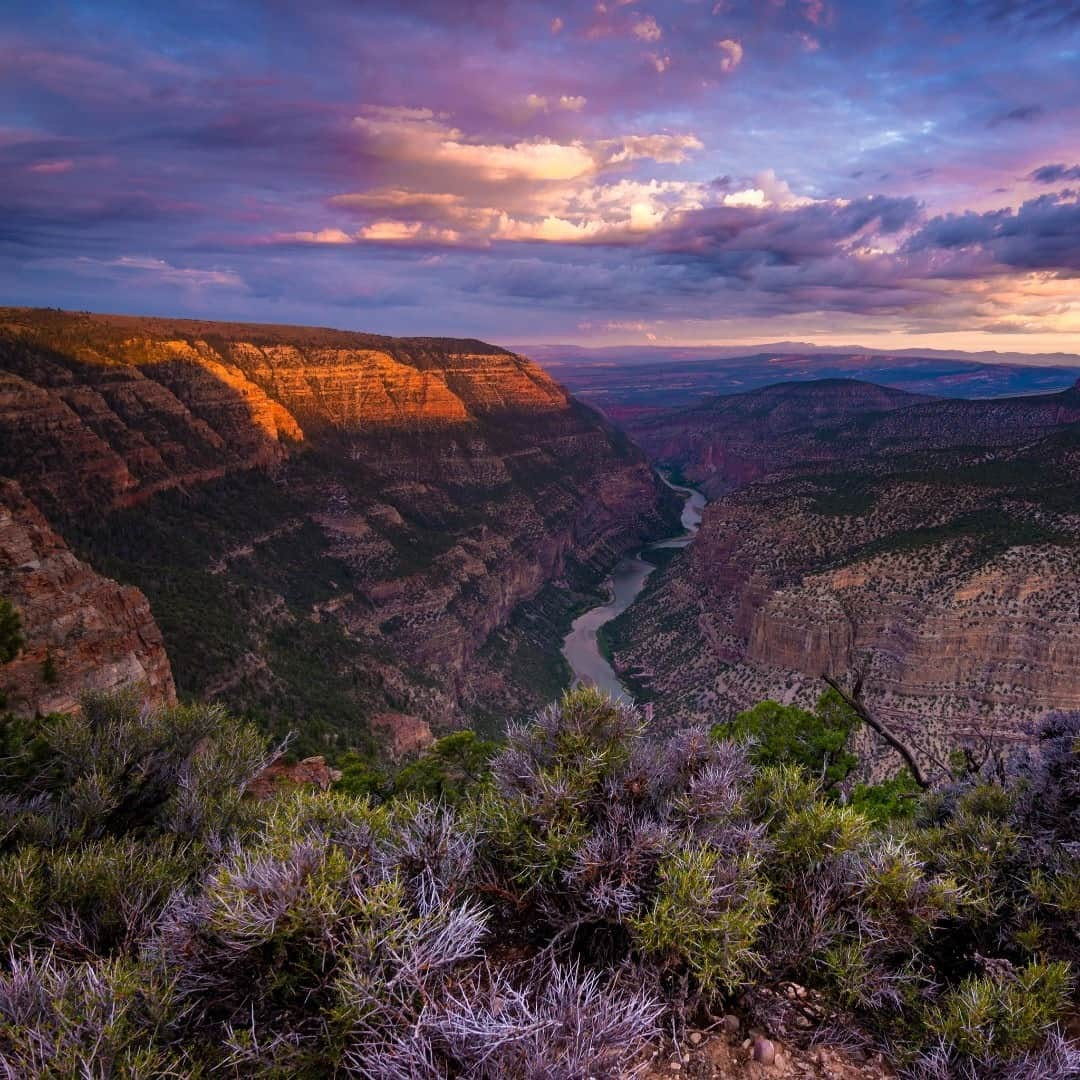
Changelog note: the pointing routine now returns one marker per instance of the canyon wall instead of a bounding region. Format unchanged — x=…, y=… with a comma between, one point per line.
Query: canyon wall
x=81, y=631
x=945, y=579
x=328, y=526
x=722, y=443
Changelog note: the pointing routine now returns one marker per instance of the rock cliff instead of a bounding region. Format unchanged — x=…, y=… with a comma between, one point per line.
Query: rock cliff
x=329, y=526
x=82, y=631
x=944, y=577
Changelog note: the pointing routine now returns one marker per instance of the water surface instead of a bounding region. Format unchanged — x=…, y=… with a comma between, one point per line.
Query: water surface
x=581, y=648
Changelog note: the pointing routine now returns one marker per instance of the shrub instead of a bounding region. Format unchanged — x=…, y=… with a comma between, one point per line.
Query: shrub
x=786, y=734
x=118, y=768
x=597, y=883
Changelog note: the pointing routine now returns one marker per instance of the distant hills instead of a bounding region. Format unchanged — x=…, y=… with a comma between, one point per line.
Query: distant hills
x=724, y=441
x=626, y=381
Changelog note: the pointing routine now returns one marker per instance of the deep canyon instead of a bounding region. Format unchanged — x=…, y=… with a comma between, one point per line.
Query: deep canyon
x=369, y=540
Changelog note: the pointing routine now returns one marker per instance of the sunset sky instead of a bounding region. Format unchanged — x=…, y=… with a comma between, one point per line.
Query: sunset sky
x=628, y=171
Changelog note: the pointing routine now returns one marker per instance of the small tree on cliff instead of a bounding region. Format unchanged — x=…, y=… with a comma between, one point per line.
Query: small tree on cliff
x=786, y=734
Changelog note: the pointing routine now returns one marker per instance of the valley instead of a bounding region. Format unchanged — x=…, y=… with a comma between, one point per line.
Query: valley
x=370, y=541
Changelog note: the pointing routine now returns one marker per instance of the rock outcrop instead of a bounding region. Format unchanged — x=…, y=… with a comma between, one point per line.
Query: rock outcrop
x=82, y=631
x=401, y=734
x=281, y=777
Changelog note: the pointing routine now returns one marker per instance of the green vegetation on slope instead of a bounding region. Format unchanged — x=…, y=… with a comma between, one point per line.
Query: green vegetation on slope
x=591, y=887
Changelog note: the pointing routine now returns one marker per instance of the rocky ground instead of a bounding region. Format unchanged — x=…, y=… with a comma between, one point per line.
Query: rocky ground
x=727, y=1048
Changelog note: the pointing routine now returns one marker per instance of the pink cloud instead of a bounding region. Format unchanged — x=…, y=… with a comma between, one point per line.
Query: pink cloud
x=50, y=167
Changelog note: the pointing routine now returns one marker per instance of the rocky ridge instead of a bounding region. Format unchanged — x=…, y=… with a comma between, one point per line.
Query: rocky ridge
x=724, y=442
x=82, y=631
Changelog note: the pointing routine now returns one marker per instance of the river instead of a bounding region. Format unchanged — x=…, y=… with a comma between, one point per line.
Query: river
x=581, y=649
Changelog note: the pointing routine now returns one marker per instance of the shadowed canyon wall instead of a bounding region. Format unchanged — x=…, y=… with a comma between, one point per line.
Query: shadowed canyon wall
x=331, y=528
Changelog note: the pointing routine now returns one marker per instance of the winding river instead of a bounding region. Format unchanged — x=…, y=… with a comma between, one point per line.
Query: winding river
x=581, y=649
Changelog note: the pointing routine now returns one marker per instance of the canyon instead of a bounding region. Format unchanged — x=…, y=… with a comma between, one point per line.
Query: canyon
x=337, y=533
x=929, y=549
x=369, y=541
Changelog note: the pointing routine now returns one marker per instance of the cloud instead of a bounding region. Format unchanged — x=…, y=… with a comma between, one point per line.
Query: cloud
x=565, y=102
x=419, y=137
x=381, y=200
x=732, y=54
x=1043, y=234
x=647, y=29
x=322, y=236
x=1053, y=174
x=144, y=268
x=1022, y=114
x=52, y=167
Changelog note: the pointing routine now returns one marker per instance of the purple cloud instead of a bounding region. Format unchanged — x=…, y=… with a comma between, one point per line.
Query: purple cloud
x=519, y=168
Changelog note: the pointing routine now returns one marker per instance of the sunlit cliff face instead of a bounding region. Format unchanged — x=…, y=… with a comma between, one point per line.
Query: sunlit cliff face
x=624, y=171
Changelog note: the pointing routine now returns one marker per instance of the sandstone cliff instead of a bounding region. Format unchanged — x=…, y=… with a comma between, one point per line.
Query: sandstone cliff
x=82, y=631
x=329, y=526
x=947, y=579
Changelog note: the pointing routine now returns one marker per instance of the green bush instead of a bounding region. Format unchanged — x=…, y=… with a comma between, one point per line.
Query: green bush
x=786, y=734
x=534, y=913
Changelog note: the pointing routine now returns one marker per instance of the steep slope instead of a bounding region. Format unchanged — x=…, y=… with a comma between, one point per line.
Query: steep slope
x=330, y=527
x=727, y=441
x=81, y=630
x=945, y=577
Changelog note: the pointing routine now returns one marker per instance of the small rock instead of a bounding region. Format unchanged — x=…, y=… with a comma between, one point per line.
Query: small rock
x=764, y=1051
x=695, y=1038
x=676, y=1067
x=746, y=1044
x=802, y=1021
x=731, y=1024
x=686, y=1059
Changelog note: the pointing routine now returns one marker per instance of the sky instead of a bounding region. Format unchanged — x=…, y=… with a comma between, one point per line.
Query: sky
x=612, y=172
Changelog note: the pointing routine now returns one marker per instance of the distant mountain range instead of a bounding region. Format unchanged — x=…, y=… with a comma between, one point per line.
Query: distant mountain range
x=625, y=382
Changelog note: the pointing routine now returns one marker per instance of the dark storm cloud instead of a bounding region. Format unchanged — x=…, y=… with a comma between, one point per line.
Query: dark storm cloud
x=1043, y=234
x=1053, y=174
